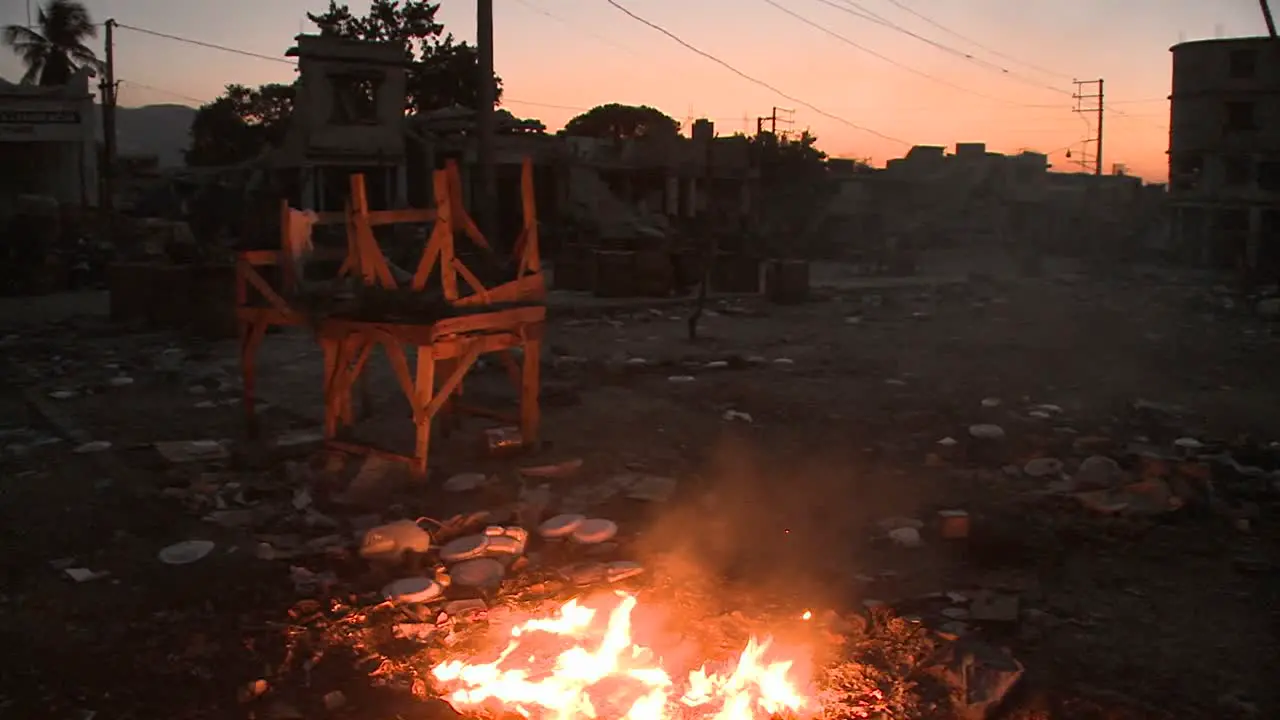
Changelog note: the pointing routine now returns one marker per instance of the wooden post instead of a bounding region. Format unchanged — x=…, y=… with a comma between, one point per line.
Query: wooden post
x=424, y=385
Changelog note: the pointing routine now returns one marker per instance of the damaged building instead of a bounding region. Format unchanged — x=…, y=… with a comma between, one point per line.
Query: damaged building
x=974, y=198
x=1224, y=152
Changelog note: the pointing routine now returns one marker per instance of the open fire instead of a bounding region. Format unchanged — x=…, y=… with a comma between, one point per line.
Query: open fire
x=583, y=662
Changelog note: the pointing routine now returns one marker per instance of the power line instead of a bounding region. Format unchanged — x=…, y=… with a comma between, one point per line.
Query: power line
x=749, y=78
x=543, y=11
x=203, y=44
x=973, y=42
x=852, y=8
x=161, y=91
x=873, y=53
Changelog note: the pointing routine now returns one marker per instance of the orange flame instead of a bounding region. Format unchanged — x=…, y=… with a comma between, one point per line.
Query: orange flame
x=603, y=672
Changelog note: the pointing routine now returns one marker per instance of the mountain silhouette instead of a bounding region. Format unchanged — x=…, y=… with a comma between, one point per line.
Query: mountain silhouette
x=160, y=130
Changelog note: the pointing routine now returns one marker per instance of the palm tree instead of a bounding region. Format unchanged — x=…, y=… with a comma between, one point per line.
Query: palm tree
x=54, y=50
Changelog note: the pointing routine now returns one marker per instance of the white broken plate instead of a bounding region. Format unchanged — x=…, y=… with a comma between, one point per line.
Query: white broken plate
x=986, y=432
x=299, y=437
x=92, y=447
x=186, y=552
x=504, y=545
x=622, y=570
x=716, y=365
x=594, y=531
x=560, y=526
x=392, y=540
x=990, y=402
x=553, y=470
x=412, y=590
x=907, y=537
x=464, y=548
x=184, y=451
x=477, y=573
x=651, y=488
x=120, y=381
x=465, y=482
x=1043, y=467
x=63, y=394
x=80, y=574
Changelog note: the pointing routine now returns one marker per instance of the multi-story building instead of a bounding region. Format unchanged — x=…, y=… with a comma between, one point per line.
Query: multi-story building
x=1224, y=151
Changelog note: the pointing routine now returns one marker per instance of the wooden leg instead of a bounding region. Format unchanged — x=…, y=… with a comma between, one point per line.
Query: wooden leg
x=424, y=386
x=332, y=358
x=251, y=334
x=530, y=383
x=449, y=412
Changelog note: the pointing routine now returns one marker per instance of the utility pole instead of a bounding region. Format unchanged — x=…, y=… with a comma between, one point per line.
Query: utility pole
x=488, y=211
x=108, y=86
x=1266, y=15
x=773, y=119
x=1084, y=105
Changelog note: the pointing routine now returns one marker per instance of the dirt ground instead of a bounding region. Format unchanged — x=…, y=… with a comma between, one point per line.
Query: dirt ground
x=838, y=409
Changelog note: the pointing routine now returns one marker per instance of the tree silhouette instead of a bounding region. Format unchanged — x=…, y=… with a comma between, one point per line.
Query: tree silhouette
x=55, y=50
x=240, y=124
x=442, y=71
x=243, y=122
x=621, y=122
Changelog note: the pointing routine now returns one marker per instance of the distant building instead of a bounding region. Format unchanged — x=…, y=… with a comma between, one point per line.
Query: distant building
x=47, y=142
x=1224, y=151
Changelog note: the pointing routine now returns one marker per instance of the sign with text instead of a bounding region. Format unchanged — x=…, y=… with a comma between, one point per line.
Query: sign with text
x=39, y=117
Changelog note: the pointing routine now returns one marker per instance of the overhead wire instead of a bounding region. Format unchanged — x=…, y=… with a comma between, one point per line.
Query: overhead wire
x=692, y=48
x=161, y=91
x=822, y=28
x=941, y=26
x=209, y=45
x=856, y=10
x=577, y=26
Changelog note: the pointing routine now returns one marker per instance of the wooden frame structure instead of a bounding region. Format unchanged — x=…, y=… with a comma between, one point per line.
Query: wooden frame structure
x=446, y=348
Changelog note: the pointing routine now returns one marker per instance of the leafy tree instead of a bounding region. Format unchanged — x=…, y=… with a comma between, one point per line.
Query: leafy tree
x=789, y=159
x=442, y=71
x=621, y=122
x=240, y=125
x=55, y=49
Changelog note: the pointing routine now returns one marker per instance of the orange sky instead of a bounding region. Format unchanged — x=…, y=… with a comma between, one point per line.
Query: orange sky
x=560, y=56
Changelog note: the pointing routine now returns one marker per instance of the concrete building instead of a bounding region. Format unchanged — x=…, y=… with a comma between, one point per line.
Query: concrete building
x=1224, y=151
x=47, y=143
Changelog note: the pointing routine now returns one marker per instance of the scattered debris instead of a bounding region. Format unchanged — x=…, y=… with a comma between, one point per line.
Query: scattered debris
x=186, y=552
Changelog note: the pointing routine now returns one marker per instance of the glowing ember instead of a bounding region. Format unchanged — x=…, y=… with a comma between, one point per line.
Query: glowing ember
x=572, y=666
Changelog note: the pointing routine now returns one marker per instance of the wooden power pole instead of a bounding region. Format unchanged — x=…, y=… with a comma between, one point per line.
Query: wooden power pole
x=488, y=195
x=1083, y=105
x=1266, y=15
x=107, y=200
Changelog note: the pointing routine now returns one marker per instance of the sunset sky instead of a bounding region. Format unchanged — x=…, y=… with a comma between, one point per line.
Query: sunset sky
x=558, y=57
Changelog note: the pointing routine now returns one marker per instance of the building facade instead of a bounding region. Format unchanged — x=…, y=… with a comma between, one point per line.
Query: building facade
x=47, y=143
x=1224, y=152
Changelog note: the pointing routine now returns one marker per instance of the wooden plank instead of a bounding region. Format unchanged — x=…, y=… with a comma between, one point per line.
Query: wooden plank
x=530, y=259
x=259, y=257
x=461, y=218
x=270, y=294
x=451, y=383
x=530, y=288
x=424, y=396
x=441, y=234
x=530, y=386
x=477, y=287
